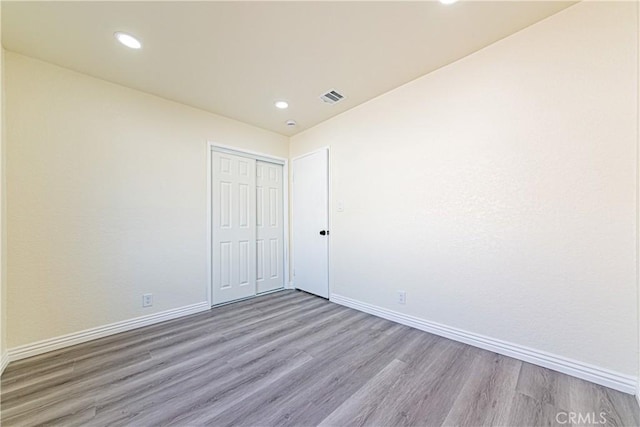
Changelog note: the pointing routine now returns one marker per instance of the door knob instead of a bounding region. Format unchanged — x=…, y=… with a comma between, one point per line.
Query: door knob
x=323, y=233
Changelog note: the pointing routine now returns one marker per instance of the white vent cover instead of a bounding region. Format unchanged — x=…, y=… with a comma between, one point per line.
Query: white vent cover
x=332, y=97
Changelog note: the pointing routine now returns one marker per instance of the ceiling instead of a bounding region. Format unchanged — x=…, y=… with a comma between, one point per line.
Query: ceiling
x=236, y=58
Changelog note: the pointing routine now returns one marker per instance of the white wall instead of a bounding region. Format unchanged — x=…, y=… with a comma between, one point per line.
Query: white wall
x=106, y=199
x=500, y=191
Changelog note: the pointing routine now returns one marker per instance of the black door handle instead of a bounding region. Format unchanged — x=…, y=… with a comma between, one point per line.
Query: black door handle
x=324, y=233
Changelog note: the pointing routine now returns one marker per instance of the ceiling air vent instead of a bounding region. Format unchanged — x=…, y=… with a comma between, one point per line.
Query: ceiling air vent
x=332, y=97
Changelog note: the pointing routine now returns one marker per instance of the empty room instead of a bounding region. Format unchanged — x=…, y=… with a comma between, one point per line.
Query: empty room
x=320, y=213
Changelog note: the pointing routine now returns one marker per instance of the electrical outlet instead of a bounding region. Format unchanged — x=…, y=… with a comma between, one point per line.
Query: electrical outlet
x=147, y=300
x=402, y=297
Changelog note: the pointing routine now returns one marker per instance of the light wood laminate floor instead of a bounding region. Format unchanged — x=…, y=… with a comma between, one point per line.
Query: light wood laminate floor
x=290, y=358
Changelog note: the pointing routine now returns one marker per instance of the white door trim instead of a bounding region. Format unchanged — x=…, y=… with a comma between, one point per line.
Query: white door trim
x=247, y=153
x=328, y=148
x=330, y=208
x=213, y=146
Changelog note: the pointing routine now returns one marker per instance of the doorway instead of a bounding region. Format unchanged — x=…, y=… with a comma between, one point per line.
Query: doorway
x=311, y=222
x=247, y=220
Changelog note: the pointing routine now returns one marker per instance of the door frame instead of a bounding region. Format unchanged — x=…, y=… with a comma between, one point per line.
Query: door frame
x=329, y=216
x=213, y=146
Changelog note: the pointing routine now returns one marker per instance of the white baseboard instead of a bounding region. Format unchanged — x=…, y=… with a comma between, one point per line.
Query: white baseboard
x=44, y=346
x=605, y=377
x=638, y=396
x=4, y=361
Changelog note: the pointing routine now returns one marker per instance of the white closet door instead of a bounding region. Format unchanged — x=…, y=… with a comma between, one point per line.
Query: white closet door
x=234, y=227
x=270, y=227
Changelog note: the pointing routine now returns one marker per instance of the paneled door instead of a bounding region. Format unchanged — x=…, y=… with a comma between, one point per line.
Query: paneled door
x=310, y=223
x=270, y=218
x=233, y=207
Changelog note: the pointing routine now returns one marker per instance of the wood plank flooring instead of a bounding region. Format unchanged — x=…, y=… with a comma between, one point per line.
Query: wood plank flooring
x=292, y=359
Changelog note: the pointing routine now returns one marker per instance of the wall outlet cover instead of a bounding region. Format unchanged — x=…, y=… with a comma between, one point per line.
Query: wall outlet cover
x=147, y=300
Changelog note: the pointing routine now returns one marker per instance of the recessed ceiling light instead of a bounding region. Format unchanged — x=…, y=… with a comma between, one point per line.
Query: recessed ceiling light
x=128, y=40
x=281, y=104
x=291, y=123
x=448, y=1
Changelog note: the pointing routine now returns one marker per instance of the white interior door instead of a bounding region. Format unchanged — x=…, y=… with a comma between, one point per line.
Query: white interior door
x=270, y=227
x=234, y=227
x=311, y=222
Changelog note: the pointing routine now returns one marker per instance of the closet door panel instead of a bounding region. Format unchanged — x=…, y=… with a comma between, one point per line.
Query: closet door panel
x=233, y=208
x=270, y=229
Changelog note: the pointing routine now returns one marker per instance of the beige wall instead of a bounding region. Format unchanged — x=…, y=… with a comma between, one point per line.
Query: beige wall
x=106, y=191
x=3, y=234
x=638, y=218
x=500, y=191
